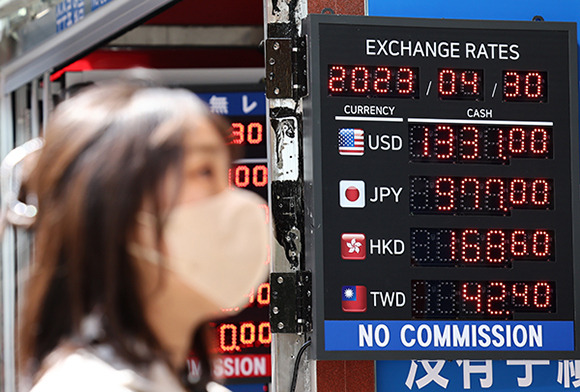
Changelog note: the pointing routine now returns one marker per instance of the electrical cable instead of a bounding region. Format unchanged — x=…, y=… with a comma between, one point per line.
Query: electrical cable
x=297, y=364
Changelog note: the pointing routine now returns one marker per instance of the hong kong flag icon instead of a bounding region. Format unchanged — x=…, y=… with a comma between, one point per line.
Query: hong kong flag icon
x=352, y=193
x=354, y=298
x=353, y=246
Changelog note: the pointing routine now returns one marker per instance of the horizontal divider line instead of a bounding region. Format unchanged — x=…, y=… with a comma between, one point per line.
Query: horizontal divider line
x=476, y=122
x=378, y=119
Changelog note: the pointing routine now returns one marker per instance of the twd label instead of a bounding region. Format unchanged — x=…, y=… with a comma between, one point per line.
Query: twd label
x=348, y=335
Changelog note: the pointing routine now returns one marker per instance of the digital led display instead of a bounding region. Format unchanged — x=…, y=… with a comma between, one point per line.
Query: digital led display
x=525, y=86
x=481, y=299
x=383, y=81
x=250, y=332
x=251, y=176
x=460, y=84
x=479, y=247
x=478, y=195
x=441, y=188
x=249, y=132
x=466, y=143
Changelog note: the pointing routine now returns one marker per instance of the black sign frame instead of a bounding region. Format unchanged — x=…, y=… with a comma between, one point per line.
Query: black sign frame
x=325, y=220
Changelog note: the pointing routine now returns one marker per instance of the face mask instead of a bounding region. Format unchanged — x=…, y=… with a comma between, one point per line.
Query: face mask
x=218, y=246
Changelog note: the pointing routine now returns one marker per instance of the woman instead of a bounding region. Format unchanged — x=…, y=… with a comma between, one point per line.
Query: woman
x=138, y=242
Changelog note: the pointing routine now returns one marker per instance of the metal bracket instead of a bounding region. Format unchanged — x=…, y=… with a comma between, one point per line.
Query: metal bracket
x=291, y=302
x=285, y=68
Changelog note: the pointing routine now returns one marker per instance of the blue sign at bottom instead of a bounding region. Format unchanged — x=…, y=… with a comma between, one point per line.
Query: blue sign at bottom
x=363, y=335
x=477, y=375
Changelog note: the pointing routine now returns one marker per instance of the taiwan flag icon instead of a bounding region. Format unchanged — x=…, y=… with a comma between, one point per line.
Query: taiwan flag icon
x=354, y=298
x=352, y=193
x=353, y=246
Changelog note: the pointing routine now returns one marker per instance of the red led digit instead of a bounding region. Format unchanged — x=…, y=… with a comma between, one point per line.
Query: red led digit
x=469, y=294
x=263, y=296
x=470, y=189
x=519, y=246
x=382, y=80
x=453, y=245
x=470, y=248
x=247, y=333
x=264, y=333
x=511, y=84
x=337, y=81
x=260, y=176
x=495, y=250
x=359, y=84
x=542, y=295
x=255, y=133
x=445, y=141
x=242, y=176
x=426, y=142
x=405, y=81
x=518, y=192
x=232, y=336
x=470, y=79
x=446, y=82
x=520, y=295
x=470, y=143
x=500, y=145
x=516, y=143
x=533, y=85
x=444, y=191
x=497, y=300
x=540, y=192
x=539, y=145
x=494, y=187
x=237, y=133
x=541, y=243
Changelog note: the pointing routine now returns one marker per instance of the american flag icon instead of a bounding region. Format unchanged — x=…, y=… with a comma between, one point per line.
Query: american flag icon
x=351, y=141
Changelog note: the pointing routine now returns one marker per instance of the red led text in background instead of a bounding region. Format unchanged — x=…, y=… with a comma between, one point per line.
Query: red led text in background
x=250, y=133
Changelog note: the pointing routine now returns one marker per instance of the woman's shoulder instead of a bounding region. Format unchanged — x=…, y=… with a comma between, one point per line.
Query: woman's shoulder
x=81, y=369
x=99, y=370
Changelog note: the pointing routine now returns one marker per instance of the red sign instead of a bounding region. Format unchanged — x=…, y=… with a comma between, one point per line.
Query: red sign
x=236, y=366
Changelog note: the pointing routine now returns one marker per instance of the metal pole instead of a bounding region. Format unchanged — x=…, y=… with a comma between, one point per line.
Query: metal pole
x=46, y=100
x=8, y=256
x=285, y=174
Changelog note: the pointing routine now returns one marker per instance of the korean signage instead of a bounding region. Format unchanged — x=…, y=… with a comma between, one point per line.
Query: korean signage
x=442, y=188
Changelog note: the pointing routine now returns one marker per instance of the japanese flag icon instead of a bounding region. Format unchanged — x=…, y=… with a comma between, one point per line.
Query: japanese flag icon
x=352, y=193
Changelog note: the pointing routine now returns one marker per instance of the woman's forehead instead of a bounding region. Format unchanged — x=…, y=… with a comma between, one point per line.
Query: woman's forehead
x=203, y=135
